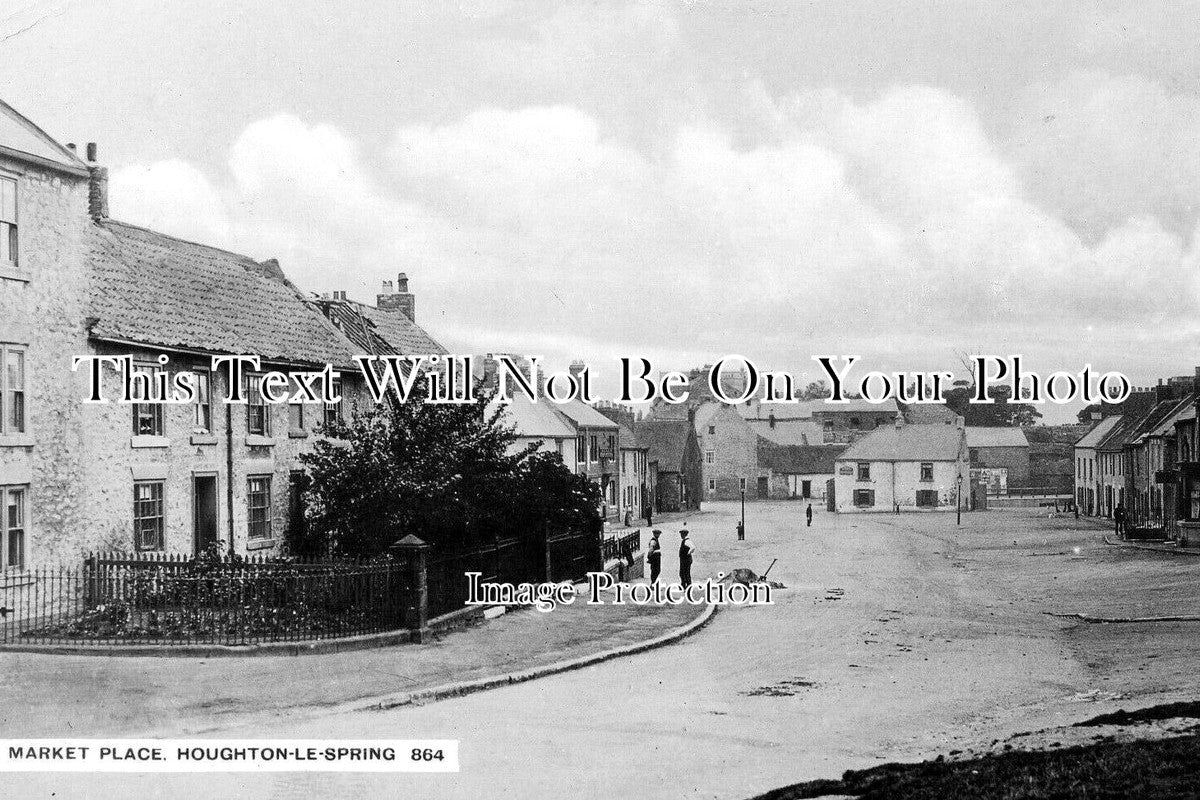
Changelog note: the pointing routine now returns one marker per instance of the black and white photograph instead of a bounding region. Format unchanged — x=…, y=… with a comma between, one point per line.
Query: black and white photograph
x=478, y=399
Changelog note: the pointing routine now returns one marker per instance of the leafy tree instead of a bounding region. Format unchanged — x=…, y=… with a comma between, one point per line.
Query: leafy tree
x=816, y=390
x=448, y=473
x=1002, y=413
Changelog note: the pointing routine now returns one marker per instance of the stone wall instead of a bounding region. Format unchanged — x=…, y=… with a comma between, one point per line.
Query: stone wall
x=42, y=306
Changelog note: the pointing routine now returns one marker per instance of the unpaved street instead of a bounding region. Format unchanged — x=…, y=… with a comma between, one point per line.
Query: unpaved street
x=897, y=637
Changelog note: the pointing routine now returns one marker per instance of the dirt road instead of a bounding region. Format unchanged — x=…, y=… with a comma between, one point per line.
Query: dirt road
x=898, y=637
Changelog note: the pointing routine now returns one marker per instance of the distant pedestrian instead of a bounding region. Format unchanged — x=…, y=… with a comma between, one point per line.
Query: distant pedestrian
x=654, y=556
x=808, y=515
x=1119, y=518
x=649, y=514
x=686, y=551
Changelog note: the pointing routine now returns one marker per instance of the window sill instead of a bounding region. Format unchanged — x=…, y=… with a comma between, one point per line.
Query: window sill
x=259, y=544
x=16, y=440
x=149, y=441
x=297, y=434
x=10, y=273
x=203, y=438
x=255, y=440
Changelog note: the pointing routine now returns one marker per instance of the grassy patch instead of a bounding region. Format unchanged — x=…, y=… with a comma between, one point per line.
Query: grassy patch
x=1189, y=708
x=1164, y=769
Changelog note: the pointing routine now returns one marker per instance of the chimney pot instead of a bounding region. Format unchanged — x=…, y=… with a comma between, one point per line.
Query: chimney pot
x=91, y=152
x=398, y=300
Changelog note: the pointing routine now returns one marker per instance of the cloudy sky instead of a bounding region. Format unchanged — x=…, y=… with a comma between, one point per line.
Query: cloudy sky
x=897, y=180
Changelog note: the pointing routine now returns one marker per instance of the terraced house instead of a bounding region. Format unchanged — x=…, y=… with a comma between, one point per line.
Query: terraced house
x=78, y=476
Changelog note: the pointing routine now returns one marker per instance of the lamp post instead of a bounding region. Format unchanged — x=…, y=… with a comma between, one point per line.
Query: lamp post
x=958, y=497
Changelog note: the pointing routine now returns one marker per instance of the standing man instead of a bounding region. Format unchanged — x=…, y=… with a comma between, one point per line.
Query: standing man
x=1119, y=518
x=654, y=556
x=808, y=515
x=686, y=550
x=649, y=513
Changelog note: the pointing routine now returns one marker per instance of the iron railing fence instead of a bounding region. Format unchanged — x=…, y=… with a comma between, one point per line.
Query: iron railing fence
x=622, y=547
x=168, y=602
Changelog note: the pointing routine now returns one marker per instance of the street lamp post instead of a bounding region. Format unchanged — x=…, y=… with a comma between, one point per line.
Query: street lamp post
x=958, y=497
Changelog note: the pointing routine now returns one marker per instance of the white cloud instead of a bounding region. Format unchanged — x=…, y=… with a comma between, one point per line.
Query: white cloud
x=881, y=225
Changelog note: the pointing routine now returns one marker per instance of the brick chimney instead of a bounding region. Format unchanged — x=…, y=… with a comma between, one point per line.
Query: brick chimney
x=97, y=186
x=399, y=299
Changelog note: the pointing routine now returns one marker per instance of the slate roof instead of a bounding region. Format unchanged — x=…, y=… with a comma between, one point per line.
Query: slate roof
x=907, y=443
x=1167, y=426
x=756, y=409
x=666, y=440
x=154, y=289
x=585, y=416
x=20, y=137
x=995, y=437
x=798, y=459
x=1098, y=432
x=535, y=420
x=789, y=432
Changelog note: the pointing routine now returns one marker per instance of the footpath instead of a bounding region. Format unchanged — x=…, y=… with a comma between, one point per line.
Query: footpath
x=62, y=695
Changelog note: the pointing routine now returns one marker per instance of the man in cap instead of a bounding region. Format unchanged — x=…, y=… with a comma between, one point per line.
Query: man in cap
x=686, y=551
x=654, y=556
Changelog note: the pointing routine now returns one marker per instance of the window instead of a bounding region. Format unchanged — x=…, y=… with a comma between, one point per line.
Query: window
x=147, y=417
x=854, y=422
x=927, y=498
x=864, y=471
x=13, y=514
x=148, y=515
x=864, y=498
x=8, y=222
x=12, y=389
x=709, y=456
x=712, y=429
x=927, y=471
x=580, y=450
x=295, y=416
x=203, y=421
x=258, y=505
x=712, y=485
x=593, y=448
x=974, y=455
x=258, y=417
x=333, y=411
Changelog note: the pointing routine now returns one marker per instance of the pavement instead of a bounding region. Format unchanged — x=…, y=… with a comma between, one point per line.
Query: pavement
x=58, y=695
x=899, y=637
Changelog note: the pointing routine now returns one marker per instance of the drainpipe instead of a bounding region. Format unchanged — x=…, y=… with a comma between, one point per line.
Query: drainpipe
x=229, y=471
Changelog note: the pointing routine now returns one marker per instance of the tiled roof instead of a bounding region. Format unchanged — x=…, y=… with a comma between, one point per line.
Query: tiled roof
x=666, y=440
x=629, y=440
x=154, y=289
x=907, y=443
x=404, y=335
x=797, y=459
x=996, y=437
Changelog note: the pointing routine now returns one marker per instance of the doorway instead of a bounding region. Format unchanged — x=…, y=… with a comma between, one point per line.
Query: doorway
x=763, y=487
x=204, y=511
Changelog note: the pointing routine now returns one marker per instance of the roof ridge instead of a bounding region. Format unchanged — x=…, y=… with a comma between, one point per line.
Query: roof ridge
x=119, y=223
x=37, y=129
